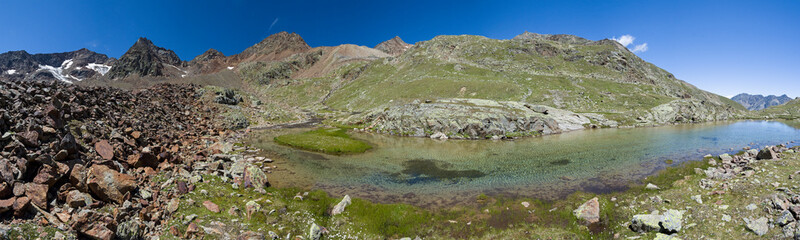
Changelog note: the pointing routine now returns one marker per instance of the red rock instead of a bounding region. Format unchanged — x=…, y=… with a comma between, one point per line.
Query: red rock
x=136, y=134
x=192, y=229
x=7, y=204
x=589, y=212
x=76, y=199
x=78, y=177
x=144, y=159
x=5, y=189
x=20, y=205
x=29, y=138
x=109, y=184
x=105, y=150
x=37, y=193
x=211, y=206
x=47, y=175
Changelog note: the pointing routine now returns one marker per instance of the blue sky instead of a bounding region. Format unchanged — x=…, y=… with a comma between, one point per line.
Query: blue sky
x=725, y=47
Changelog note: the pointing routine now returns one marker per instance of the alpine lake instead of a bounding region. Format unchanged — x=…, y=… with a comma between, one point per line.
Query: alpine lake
x=437, y=173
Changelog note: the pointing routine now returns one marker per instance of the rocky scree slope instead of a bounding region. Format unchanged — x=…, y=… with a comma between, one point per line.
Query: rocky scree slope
x=68, y=152
x=560, y=71
x=146, y=59
x=66, y=67
x=758, y=102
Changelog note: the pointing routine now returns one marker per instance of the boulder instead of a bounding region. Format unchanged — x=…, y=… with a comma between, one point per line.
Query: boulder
x=672, y=222
x=758, y=226
x=588, y=212
x=211, y=206
x=6, y=205
x=766, y=154
x=314, y=232
x=651, y=186
x=439, y=135
x=339, y=208
x=21, y=204
x=110, y=185
x=646, y=222
x=93, y=225
x=69, y=144
x=143, y=159
x=251, y=175
x=76, y=199
x=77, y=177
x=104, y=149
x=661, y=236
x=785, y=218
x=37, y=193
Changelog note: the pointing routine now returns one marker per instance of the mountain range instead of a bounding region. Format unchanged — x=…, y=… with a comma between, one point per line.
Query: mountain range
x=758, y=102
x=601, y=81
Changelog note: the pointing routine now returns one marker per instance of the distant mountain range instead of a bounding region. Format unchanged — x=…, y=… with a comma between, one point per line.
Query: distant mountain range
x=758, y=102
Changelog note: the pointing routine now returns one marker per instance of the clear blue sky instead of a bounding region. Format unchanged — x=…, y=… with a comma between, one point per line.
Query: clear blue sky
x=726, y=47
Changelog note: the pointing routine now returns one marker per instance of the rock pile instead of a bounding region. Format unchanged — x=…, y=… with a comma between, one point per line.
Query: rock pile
x=67, y=151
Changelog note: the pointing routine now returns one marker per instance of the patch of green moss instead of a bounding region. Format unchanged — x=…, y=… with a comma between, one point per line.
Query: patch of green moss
x=325, y=140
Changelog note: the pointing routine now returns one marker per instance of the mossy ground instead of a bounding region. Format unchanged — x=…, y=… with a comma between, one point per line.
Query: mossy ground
x=326, y=140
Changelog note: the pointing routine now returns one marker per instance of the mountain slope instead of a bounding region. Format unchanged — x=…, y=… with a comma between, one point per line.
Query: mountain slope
x=67, y=66
x=789, y=110
x=146, y=59
x=561, y=71
x=758, y=102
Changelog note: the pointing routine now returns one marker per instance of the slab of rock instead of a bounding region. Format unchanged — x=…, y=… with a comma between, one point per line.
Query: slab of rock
x=589, y=212
x=110, y=185
x=646, y=222
x=672, y=222
x=37, y=193
x=76, y=199
x=339, y=208
x=758, y=226
x=661, y=236
x=651, y=186
x=211, y=206
x=6, y=205
x=105, y=150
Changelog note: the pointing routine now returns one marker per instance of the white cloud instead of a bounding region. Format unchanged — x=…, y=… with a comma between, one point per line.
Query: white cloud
x=272, y=25
x=640, y=48
x=625, y=40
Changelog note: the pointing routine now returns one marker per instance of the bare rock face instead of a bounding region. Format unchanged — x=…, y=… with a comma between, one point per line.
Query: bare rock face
x=145, y=59
x=274, y=47
x=109, y=184
x=394, y=46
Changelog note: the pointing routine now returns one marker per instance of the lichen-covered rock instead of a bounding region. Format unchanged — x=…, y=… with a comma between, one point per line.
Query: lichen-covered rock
x=109, y=184
x=673, y=221
x=646, y=222
x=758, y=226
x=589, y=212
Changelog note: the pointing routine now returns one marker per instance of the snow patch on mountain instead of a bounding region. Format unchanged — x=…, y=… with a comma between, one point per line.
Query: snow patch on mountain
x=100, y=68
x=58, y=73
x=11, y=72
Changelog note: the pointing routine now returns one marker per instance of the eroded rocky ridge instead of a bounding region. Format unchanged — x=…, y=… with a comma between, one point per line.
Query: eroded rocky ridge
x=479, y=119
x=146, y=59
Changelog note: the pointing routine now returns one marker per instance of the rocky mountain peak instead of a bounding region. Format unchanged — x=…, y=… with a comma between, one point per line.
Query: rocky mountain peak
x=282, y=42
x=758, y=102
x=145, y=59
x=394, y=46
x=209, y=55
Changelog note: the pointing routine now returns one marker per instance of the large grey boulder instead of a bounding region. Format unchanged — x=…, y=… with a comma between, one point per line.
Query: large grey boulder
x=758, y=226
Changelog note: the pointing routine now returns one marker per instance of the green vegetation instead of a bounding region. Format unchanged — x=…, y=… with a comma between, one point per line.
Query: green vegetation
x=788, y=111
x=331, y=140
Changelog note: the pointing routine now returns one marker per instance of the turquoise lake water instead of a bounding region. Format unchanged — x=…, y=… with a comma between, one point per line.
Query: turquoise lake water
x=430, y=172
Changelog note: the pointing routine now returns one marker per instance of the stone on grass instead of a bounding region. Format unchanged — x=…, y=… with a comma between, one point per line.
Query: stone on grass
x=661, y=236
x=651, y=186
x=646, y=222
x=698, y=199
x=751, y=207
x=766, y=153
x=314, y=232
x=758, y=226
x=211, y=206
x=339, y=208
x=673, y=221
x=589, y=212
x=785, y=218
